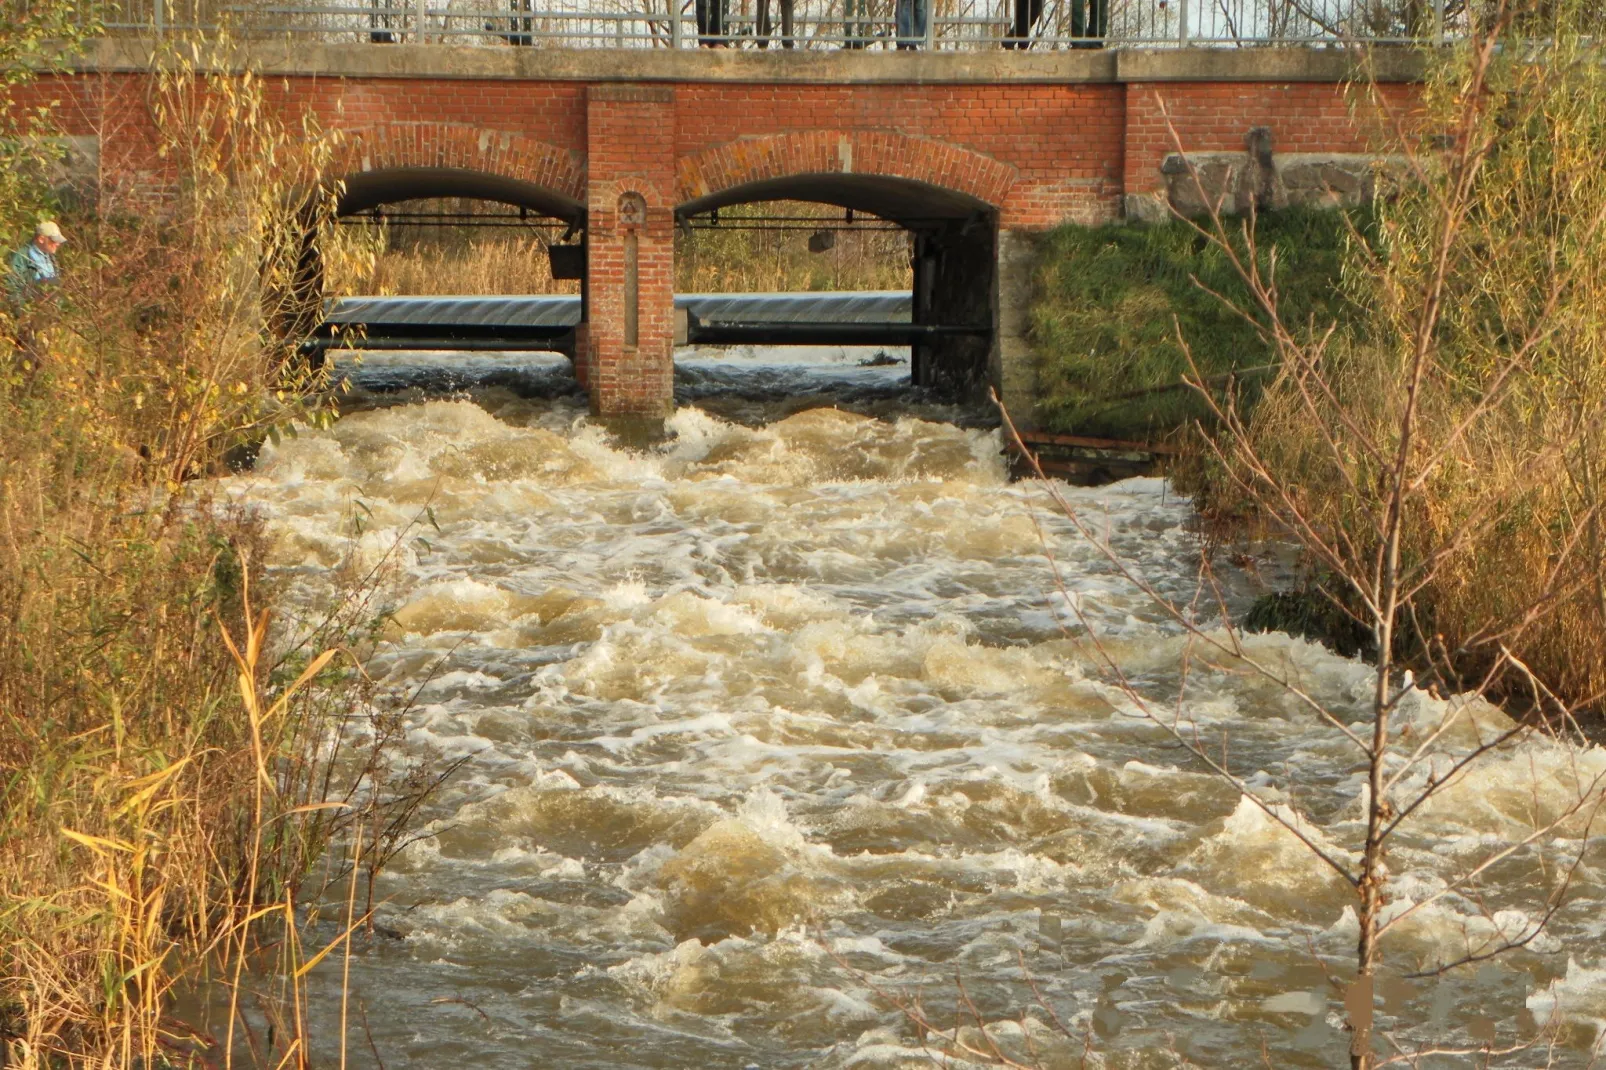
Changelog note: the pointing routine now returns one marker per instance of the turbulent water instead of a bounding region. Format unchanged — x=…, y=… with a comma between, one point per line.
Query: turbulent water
x=790, y=717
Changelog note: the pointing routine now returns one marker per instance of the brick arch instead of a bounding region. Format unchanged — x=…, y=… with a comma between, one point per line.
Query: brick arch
x=460, y=147
x=765, y=161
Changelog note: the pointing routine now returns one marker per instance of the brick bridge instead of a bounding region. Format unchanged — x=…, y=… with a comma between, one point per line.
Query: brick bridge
x=971, y=152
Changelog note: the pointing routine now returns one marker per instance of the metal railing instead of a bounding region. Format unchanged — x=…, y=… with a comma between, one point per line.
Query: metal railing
x=940, y=25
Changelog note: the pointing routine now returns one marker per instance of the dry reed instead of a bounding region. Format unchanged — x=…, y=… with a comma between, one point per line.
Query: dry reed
x=371, y=258
x=171, y=761
x=1511, y=411
x=399, y=258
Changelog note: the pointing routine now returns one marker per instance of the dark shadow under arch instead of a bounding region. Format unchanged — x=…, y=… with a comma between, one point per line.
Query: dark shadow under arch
x=365, y=190
x=954, y=257
x=906, y=201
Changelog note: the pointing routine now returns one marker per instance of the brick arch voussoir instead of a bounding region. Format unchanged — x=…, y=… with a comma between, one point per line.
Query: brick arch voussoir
x=498, y=152
x=760, y=159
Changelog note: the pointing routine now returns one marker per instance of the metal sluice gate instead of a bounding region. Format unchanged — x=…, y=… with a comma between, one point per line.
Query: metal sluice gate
x=548, y=322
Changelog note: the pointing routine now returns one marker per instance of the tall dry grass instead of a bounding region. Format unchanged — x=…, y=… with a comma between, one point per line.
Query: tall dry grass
x=372, y=258
x=399, y=258
x=171, y=758
x=740, y=257
x=1477, y=322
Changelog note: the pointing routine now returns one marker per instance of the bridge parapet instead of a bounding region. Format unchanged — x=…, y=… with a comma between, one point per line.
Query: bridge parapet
x=798, y=25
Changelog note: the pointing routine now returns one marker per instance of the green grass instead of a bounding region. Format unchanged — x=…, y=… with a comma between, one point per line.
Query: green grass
x=1109, y=300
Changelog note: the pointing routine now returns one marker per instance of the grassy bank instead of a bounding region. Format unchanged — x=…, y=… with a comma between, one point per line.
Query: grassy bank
x=1431, y=420
x=166, y=775
x=1110, y=301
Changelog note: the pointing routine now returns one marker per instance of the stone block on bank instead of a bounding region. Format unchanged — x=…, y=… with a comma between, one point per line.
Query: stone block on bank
x=1260, y=179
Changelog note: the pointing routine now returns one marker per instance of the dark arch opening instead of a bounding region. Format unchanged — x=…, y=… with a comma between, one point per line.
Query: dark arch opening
x=901, y=200
x=364, y=191
x=370, y=189
x=954, y=260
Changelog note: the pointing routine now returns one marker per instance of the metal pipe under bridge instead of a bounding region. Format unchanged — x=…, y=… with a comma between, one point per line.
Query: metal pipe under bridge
x=548, y=322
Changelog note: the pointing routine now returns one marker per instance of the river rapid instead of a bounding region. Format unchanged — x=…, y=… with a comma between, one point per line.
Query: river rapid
x=791, y=715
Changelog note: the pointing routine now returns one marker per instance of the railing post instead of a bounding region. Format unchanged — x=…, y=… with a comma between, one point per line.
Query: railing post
x=1182, y=22
x=1438, y=22
x=159, y=12
x=674, y=24
x=931, y=23
x=420, y=9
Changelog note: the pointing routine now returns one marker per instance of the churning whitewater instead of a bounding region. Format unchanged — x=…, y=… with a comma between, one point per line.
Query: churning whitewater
x=791, y=715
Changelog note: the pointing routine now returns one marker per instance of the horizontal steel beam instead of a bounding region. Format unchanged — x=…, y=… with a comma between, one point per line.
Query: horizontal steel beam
x=824, y=334
x=560, y=343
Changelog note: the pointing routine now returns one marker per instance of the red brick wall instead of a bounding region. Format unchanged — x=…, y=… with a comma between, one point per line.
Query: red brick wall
x=1060, y=144
x=875, y=152
x=1217, y=117
x=75, y=103
x=550, y=112
x=112, y=107
x=1042, y=154
x=382, y=146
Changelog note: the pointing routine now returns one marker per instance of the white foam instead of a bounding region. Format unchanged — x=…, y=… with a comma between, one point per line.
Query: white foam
x=758, y=682
x=1579, y=995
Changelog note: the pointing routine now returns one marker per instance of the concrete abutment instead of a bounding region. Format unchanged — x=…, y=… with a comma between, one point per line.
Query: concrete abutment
x=1011, y=362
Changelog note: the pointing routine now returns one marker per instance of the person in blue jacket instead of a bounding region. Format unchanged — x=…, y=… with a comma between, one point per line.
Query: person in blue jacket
x=33, y=267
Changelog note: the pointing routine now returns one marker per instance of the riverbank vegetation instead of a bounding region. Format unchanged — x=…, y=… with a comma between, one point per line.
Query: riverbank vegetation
x=1433, y=448
x=1469, y=299
x=169, y=766
x=1471, y=362
x=502, y=255
x=1110, y=302
x=788, y=246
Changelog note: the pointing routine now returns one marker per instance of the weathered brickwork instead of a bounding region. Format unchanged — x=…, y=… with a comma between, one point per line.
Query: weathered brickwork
x=1033, y=154
x=812, y=152
x=630, y=237
x=1304, y=117
x=506, y=153
x=1040, y=154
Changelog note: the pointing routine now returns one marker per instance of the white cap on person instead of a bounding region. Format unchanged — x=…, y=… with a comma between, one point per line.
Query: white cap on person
x=49, y=229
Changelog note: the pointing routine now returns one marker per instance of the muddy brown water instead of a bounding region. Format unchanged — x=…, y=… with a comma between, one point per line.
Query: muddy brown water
x=789, y=715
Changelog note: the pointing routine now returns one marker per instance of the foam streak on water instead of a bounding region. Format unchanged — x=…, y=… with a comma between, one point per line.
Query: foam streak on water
x=782, y=714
